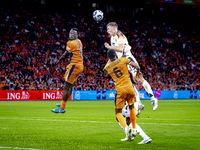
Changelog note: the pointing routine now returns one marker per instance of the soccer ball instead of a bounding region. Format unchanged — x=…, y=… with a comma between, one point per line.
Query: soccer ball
x=97, y=15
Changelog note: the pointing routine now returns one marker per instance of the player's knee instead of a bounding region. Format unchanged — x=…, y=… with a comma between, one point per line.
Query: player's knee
x=68, y=86
x=131, y=106
x=139, y=80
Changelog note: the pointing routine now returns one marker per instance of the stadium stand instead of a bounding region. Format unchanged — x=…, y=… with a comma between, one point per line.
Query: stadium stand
x=30, y=40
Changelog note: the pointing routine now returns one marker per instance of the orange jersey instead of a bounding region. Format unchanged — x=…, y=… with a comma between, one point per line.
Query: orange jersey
x=118, y=70
x=75, y=48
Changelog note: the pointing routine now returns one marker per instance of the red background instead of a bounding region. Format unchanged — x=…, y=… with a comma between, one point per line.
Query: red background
x=9, y=95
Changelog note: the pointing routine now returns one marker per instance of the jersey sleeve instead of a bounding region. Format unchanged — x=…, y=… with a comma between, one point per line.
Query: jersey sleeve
x=121, y=39
x=70, y=46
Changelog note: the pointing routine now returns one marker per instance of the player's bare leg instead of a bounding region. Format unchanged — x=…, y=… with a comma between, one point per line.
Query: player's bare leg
x=138, y=105
x=139, y=78
x=133, y=119
x=67, y=93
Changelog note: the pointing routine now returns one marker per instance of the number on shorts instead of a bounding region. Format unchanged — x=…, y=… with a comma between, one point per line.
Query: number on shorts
x=118, y=73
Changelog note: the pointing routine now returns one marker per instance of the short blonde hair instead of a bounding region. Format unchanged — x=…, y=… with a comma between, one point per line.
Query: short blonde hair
x=113, y=24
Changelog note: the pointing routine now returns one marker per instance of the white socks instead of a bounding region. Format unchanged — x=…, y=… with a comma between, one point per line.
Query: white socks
x=140, y=131
x=138, y=102
x=147, y=87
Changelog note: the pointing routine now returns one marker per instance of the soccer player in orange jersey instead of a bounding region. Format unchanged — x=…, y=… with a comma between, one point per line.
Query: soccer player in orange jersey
x=117, y=69
x=74, y=69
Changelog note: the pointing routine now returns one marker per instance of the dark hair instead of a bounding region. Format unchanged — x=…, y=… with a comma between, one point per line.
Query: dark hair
x=75, y=30
x=113, y=24
x=111, y=53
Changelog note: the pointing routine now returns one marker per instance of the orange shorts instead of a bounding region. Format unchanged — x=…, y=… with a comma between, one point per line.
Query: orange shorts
x=124, y=94
x=73, y=72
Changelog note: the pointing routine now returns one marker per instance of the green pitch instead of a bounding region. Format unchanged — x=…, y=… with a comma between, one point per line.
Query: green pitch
x=92, y=125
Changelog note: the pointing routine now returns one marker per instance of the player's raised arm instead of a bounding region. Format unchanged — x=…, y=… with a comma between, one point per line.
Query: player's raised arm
x=120, y=48
x=135, y=65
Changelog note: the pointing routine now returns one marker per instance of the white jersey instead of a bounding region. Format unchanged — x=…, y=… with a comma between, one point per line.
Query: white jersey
x=121, y=38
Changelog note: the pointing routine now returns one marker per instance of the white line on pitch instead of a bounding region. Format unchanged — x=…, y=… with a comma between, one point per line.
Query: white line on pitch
x=18, y=148
x=112, y=118
x=172, y=124
x=166, y=119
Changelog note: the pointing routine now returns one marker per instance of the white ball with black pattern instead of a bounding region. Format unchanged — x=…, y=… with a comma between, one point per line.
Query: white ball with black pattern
x=97, y=15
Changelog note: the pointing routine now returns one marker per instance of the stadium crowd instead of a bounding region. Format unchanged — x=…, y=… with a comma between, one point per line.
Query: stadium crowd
x=31, y=42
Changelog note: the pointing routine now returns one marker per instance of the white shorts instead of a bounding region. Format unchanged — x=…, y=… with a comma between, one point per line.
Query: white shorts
x=126, y=111
x=130, y=68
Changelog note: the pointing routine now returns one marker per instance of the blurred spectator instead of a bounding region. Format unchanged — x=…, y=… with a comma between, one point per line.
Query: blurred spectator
x=11, y=86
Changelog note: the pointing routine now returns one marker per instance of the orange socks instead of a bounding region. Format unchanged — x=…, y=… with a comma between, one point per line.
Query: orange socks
x=121, y=120
x=133, y=117
x=63, y=105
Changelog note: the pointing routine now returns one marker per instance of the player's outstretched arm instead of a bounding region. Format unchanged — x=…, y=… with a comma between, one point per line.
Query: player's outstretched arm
x=65, y=54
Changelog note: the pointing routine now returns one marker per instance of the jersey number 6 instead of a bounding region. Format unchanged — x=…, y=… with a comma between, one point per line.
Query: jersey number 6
x=118, y=73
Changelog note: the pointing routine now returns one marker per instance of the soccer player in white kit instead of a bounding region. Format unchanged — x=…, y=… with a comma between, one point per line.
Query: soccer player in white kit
x=120, y=44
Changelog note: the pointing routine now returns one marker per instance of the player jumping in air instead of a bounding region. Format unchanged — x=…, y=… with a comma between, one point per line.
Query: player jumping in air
x=117, y=69
x=120, y=44
x=74, y=69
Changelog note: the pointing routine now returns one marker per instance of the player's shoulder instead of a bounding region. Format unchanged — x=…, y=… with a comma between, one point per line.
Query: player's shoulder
x=106, y=67
x=78, y=41
x=124, y=59
x=72, y=42
x=120, y=34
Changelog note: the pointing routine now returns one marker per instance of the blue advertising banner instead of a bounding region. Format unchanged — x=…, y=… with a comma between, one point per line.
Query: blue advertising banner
x=110, y=95
x=94, y=95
